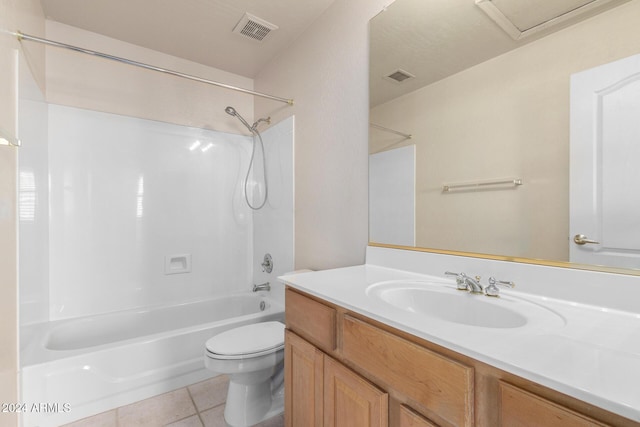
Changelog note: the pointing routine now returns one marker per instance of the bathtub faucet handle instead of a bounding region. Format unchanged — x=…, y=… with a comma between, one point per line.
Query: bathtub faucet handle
x=267, y=263
x=263, y=287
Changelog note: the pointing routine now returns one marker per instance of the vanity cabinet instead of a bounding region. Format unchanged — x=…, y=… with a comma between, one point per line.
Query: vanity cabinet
x=320, y=391
x=344, y=369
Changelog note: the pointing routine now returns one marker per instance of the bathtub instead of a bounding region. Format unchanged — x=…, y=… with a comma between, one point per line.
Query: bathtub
x=79, y=367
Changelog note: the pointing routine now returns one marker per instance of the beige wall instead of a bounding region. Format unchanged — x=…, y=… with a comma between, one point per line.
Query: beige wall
x=27, y=16
x=326, y=72
x=507, y=117
x=99, y=84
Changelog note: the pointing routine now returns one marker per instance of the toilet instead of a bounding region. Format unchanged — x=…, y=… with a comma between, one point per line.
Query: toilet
x=253, y=357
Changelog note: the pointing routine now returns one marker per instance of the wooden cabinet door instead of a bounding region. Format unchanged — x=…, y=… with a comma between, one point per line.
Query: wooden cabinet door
x=350, y=400
x=444, y=386
x=303, y=383
x=409, y=418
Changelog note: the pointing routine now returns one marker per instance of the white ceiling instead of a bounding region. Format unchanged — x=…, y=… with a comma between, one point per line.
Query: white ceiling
x=197, y=30
x=436, y=38
x=428, y=38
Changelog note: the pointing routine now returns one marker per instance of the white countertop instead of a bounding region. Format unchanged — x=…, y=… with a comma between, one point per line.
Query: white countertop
x=588, y=352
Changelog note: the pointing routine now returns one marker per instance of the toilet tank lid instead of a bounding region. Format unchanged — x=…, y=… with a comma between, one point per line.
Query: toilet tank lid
x=248, y=339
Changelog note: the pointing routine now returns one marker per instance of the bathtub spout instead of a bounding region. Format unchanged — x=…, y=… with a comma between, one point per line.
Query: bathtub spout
x=263, y=287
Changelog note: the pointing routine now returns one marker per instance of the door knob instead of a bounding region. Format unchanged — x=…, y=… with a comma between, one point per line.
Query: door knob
x=581, y=239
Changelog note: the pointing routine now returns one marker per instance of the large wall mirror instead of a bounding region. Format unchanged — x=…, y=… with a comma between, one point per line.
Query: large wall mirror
x=509, y=129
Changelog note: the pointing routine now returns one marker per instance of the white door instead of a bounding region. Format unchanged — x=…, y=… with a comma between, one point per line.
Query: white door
x=605, y=165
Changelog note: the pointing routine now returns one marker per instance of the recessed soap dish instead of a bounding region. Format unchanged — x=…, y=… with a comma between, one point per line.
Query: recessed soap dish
x=177, y=263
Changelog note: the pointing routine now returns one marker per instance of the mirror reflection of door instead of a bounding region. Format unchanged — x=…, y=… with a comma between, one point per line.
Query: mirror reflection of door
x=392, y=196
x=605, y=165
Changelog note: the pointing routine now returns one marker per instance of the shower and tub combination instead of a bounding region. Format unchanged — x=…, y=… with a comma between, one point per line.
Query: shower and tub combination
x=96, y=363
x=149, y=237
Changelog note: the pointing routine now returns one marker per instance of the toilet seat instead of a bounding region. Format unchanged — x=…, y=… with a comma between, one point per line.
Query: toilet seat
x=252, y=340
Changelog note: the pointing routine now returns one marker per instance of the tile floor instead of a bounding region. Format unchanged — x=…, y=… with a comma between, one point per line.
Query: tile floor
x=198, y=405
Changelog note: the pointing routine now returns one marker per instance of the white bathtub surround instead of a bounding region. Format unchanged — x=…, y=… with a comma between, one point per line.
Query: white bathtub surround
x=101, y=362
x=273, y=224
x=588, y=347
x=125, y=194
x=140, y=213
x=33, y=201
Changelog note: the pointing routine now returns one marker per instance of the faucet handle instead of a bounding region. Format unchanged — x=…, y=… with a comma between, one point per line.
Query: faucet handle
x=493, y=281
x=461, y=281
x=492, y=290
x=267, y=264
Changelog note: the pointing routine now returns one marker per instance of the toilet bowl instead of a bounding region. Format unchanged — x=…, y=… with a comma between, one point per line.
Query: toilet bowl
x=253, y=357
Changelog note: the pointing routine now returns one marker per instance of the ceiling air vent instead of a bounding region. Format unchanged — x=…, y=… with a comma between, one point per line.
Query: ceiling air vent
x=253, y=27
x=399, y=76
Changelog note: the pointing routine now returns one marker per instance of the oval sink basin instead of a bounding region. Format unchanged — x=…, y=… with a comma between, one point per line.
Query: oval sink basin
x=442, y=302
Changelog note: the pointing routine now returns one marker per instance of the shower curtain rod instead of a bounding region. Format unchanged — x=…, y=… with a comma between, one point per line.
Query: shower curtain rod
x=22, y=36
x=406, y=135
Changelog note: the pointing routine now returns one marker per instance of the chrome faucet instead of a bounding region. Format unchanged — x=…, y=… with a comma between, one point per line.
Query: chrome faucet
x=263, y=287
x=466, y=283
x=473, y=285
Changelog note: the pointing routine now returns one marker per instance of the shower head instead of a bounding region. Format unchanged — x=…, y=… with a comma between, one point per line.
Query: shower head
x=254, y=131
x=232, y=111
x=252, y=128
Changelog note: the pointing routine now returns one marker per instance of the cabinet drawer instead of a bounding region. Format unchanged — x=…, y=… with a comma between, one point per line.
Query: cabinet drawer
x=445, y=387
x=521, y=408
x=310, y=319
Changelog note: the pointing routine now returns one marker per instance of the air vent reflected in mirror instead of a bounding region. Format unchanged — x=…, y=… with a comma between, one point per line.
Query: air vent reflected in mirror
x=399, y=76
